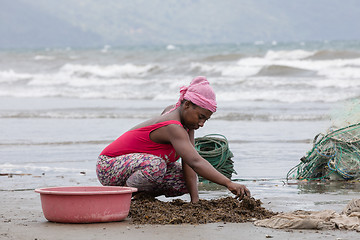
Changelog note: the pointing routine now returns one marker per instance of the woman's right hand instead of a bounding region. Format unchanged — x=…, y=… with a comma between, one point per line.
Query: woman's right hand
x=239, y=190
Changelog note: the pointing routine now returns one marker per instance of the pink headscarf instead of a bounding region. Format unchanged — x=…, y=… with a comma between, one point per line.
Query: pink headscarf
x=198, y=92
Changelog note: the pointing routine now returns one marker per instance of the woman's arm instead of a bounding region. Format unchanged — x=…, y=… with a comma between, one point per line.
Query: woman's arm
x=183, y=146
x=191, y=179
x=191, y=182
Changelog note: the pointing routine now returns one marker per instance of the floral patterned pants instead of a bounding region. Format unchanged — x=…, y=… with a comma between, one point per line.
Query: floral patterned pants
x=146, y=172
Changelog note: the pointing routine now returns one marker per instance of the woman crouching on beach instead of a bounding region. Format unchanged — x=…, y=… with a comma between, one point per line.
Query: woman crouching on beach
x=145, y=157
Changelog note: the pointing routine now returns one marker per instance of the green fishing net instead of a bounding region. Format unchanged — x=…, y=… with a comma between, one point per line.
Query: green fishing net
x=215, y=149
x=336, y=153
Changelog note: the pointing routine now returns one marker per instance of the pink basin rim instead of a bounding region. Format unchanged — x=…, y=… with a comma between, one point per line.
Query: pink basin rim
x=87, y=190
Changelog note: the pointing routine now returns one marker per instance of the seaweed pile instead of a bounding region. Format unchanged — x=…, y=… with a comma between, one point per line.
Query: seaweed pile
x=229, y=209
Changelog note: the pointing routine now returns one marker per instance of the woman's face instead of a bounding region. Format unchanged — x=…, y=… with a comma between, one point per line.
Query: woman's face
x=193, y=116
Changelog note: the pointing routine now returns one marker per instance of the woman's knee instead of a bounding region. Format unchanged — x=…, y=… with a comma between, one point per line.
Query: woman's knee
x=156, y=170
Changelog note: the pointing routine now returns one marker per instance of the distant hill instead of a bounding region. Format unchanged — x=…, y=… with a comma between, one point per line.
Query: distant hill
x=86, y=23
x=25, y=26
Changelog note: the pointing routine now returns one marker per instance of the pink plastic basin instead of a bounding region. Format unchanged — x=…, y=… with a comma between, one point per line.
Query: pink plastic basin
x=85, y=204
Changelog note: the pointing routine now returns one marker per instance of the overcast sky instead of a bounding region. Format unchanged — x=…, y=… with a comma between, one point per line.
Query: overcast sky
x=48, y=23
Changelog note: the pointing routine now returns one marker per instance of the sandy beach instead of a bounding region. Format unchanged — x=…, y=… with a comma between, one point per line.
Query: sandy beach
x=21, y=218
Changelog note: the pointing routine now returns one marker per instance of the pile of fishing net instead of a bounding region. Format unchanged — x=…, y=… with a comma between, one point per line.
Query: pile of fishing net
x=336, y=152
x=215, y=149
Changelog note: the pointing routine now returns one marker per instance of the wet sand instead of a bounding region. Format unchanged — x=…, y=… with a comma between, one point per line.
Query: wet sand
x=21, y=218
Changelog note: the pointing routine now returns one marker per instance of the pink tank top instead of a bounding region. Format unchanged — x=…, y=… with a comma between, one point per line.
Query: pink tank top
x=138, y=141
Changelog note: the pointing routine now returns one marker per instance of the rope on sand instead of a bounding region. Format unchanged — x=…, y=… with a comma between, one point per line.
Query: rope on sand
x=215, y=149
x=336, y=152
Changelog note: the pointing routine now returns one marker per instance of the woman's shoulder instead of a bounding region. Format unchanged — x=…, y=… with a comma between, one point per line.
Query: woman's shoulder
x=167, y=130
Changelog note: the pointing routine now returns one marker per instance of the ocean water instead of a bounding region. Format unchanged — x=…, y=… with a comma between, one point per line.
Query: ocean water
x=60, y=107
